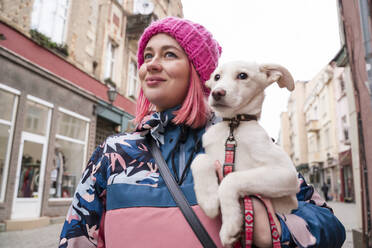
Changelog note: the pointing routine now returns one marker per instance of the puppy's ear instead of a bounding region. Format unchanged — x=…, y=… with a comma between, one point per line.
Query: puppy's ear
x=279, y=74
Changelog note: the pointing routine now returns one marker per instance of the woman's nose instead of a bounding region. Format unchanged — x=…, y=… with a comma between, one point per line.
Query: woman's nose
x=154, y=65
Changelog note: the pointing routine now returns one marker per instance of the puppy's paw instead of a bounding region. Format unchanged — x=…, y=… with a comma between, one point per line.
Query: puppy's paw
x=229, y=234
x=211, y=206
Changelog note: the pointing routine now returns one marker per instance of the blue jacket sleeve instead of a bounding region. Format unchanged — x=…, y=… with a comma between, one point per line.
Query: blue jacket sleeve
x=313, y=223
x=83, y=218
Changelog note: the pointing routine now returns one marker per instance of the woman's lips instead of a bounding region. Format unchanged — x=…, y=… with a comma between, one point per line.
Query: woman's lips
x=152, y=81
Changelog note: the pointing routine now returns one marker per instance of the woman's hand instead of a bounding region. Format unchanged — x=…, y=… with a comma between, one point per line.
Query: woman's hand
x=261, y=225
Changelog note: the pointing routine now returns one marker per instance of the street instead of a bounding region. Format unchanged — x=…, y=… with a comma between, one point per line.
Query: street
x=345, y=212
x=47, y=237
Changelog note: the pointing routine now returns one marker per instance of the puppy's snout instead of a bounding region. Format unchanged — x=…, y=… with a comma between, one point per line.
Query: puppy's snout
x=218, y=94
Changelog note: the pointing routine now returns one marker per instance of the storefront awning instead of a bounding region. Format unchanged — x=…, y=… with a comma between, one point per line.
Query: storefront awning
x=302, y=167
x=344, y=158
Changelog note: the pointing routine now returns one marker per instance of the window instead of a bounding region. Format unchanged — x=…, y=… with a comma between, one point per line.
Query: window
x=326, y=138
x=36, y=118
x=50, y=17
x=135, y=6
x=315, y=112
x=312, y=145
x=345, y=128
x=110, y=60
x=342, y=84
x=343, y=118
x=323, y=106
x=132, y=79
x=8, y=106
x=346, y=134
x=69, y=154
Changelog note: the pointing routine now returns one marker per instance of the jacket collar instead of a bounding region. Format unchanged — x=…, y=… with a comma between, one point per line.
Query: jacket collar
x=156, y=123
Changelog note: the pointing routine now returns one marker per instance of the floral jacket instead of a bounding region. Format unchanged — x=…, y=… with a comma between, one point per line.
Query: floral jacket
x=122, y=201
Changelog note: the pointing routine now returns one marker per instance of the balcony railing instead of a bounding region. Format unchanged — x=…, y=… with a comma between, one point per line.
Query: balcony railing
x=137, y=23
x=315, y=157
x=313, y=126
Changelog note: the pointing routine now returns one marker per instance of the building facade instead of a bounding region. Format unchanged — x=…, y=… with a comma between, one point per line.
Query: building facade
x=355, y=25
x=318, y=132
x=296, y=133
x=60, y=63
x=343, y=119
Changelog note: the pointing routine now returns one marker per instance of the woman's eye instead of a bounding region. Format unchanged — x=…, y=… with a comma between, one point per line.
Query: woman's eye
x=217, y=77
x=242, y=75
x=147, y=56
x=170, y=55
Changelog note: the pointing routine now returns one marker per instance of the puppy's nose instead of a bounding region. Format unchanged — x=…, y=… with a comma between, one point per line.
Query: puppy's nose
x=218, y=94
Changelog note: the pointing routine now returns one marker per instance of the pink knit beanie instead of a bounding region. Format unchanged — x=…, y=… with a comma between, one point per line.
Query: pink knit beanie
x=197, y=42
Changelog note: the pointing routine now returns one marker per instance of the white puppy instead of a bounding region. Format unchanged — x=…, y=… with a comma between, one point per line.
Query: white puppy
x=261, y=167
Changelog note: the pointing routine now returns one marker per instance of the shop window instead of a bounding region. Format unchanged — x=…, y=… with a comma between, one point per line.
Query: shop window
x=36, y=118
x=8, y=106
x=69, y=154
x=50, y=17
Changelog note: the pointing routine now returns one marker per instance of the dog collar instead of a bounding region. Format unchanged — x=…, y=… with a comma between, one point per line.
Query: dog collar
x=235, y=121
x=241, y=117
x=230, y=144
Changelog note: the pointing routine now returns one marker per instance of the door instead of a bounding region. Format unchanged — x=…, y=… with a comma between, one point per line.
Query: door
x=29, y=179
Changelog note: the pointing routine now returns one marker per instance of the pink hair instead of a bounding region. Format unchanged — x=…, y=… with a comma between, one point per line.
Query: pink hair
x=194, y=111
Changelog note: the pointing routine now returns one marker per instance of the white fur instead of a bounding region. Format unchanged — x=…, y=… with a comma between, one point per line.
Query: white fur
x=261, y=166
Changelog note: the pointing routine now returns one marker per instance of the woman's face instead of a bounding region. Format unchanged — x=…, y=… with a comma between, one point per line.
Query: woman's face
x=165, y=73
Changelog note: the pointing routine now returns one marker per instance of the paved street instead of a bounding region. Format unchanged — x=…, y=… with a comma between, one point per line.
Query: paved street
x=47, y=237
x=346, y=212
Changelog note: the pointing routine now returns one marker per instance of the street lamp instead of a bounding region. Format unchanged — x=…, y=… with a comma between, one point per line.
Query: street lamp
x=111, y=93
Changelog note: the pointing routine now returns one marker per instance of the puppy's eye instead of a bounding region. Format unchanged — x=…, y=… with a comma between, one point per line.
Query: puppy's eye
x=242, y=75
x=217, y=77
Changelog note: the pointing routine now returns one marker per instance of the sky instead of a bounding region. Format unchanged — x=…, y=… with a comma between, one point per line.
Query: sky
x=301, y=35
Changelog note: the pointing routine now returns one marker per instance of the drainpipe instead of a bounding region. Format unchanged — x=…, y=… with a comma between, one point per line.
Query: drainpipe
x=364, y=20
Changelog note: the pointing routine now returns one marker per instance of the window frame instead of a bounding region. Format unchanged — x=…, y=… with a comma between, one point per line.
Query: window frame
x=11, y=123
x=77, y=141
x=110, y=58
x=132, y=80
x=35, y=24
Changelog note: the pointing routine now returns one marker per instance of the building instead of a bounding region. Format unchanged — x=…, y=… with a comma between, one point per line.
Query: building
x=283, y=138
x=294, y=133
x=343, y=133
x=318, y=130
x=322, y=131
x=355, y=25
x=61, y=65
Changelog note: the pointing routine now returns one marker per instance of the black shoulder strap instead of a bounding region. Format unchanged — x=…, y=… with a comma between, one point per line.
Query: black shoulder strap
x=179, y=197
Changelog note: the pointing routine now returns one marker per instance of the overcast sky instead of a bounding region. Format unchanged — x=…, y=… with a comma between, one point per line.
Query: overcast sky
x=301, y=35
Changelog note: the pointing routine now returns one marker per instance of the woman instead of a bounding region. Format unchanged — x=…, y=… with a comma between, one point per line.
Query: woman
x=122, y=201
